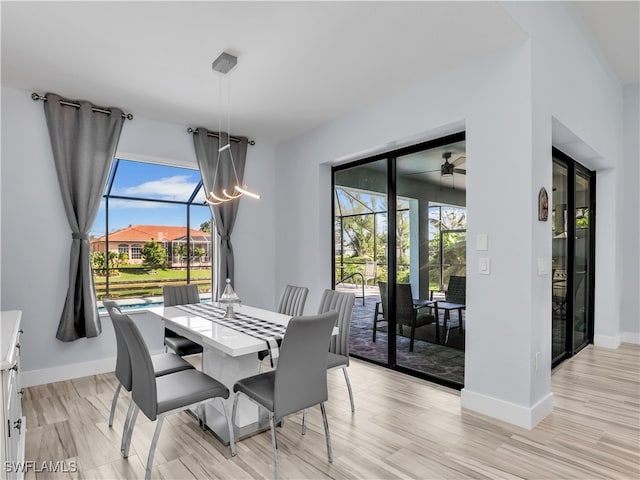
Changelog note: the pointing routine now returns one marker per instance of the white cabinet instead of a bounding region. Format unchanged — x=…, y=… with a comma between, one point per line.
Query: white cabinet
x=13, y=423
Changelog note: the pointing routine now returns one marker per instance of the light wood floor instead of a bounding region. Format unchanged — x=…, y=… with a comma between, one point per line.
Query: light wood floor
x=403, y=428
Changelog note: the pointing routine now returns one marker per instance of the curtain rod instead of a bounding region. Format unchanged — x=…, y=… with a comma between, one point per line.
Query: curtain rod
x=215, y=135
x=37, y=96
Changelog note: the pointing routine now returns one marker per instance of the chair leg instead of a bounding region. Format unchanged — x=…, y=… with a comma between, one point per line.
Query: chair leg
x=132, y=424
x=375, y=321
x=412, y=338
x=235, y=408
x=232, y=442
x=113, y=404
x=125, y=428
x=152, y=449
x=304, y=421
x=346, y=377
x=326, y=432
x=274, y=443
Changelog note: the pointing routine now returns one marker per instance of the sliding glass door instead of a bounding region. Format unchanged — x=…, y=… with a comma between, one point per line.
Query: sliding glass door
x=399, y=236
x=360, y=252
x=583, y=278
x=560, y=259
x=573, y=216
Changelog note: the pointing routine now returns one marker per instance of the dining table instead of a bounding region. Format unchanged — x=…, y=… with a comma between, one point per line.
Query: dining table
x=230, y=348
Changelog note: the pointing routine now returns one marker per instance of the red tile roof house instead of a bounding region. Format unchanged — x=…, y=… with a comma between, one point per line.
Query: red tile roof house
x=131, y=241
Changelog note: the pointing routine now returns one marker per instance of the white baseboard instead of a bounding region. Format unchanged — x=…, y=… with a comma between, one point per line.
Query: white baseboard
x=631, y=337
x=606, y=341
x=69, y=372
x=525, y=417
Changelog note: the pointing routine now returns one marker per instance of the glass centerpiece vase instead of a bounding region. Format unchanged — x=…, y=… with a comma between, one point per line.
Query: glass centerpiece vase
x=229, y=298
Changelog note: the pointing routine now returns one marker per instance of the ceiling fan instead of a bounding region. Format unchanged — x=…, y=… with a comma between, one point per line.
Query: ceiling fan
x=449, y=168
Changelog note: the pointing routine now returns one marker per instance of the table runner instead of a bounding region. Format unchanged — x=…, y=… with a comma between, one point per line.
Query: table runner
x=270, y=332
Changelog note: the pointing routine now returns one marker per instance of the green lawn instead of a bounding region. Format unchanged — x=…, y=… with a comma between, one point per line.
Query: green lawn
x=142, y=282
x=142, y=275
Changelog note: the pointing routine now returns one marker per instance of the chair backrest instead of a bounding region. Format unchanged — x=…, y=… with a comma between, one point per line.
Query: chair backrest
x=457, y=290
x=342, y=303
x=143, y=387
x=123, y=361
x=292, y=300
x=370, y=270
x=180, y=295
x=301, y=376
x=405, y=313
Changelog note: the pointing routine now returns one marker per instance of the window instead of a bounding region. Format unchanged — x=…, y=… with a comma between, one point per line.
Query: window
x=153, y=229
x=136, y=252
x=447, y=244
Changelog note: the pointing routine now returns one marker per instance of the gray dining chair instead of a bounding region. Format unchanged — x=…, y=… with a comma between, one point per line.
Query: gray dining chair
x=159, y=397
x=341, y=303
x=180, y=295
x=291, y=303
x=163, y=363
x=300, y=378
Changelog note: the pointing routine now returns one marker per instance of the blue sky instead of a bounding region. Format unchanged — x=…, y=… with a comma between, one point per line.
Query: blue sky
x=151, y=181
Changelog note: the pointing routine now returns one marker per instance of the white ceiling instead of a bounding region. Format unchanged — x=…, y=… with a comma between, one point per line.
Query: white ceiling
x=614, y=28
x=300, y=64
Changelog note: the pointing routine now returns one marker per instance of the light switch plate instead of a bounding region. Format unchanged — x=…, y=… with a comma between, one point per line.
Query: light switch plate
x=482, y=241
x=484, y=266
x=543, y=266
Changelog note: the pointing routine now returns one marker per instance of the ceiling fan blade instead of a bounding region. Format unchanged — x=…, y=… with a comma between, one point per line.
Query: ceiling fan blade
x=420, y=173
x=461, y=171
x=459, y=161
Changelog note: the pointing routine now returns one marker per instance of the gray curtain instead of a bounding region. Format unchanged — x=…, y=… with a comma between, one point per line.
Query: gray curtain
x=83, y=143
x=224, y=215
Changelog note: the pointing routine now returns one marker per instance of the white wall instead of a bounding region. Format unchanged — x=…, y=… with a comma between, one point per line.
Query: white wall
x=35, y=237
x=493, y=97
x=630, y=224
x=508, y=103
x=573, y=86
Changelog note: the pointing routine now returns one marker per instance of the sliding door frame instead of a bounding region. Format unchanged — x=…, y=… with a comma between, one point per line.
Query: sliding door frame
x=573, y=168
x=391, y=157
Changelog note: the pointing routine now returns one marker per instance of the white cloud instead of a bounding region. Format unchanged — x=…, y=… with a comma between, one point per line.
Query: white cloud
x=119, y=203
x=178, y=187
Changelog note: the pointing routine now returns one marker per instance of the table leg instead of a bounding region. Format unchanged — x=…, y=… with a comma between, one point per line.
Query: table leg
x=437, y=315
x=446, y=330
x=228, y=370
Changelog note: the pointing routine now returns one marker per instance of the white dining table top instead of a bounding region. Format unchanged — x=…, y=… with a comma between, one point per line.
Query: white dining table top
x=215, y=334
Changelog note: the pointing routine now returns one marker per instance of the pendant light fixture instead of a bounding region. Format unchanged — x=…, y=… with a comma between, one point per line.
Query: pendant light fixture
x=223, y=65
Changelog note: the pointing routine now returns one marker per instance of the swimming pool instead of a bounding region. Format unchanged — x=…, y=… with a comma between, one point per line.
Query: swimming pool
x=140, y=303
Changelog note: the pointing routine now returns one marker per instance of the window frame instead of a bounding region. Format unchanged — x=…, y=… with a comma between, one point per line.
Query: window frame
x=443, y=231
x=135, y=249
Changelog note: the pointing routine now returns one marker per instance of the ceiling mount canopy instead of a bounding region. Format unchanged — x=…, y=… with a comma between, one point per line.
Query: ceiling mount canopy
x=223, y=65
